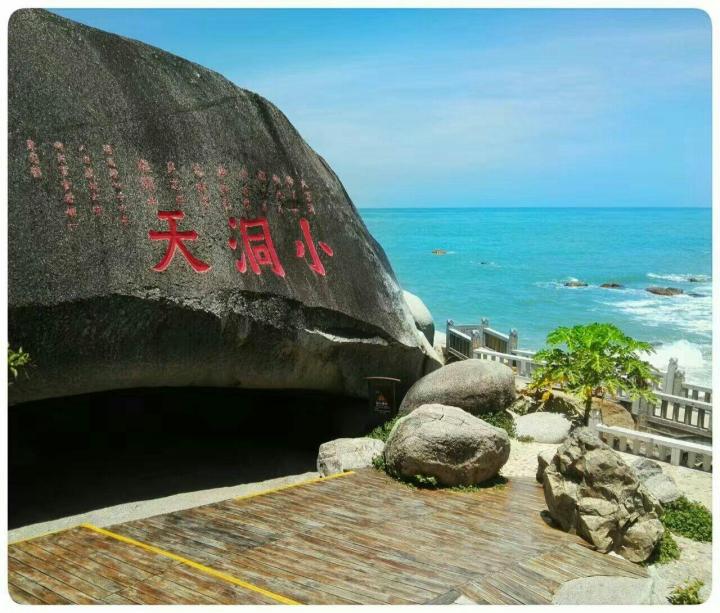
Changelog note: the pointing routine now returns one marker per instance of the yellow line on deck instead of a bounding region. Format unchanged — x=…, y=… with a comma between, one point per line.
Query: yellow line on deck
x=286, y=487
x=196, y=565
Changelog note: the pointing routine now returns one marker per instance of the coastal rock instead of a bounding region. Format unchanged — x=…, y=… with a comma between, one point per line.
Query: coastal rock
x=591, y=490
x=448, y=444
x=664, y=291
x=421, y=315
x=477, y=386
x=439, y=252
x=660, y=485
x=544, y=458
x=344, y=454
x=543, y=427
x=273, y=280
x=575, y=283
x=612, y=285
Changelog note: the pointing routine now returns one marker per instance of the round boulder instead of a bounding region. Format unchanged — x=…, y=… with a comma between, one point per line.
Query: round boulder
x=448, y=444
x=347, y=454
x=543, y=427
x=476, y=386
x=422, y=316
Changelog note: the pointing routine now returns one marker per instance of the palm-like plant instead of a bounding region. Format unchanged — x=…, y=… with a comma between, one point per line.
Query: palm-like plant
x=594, y=360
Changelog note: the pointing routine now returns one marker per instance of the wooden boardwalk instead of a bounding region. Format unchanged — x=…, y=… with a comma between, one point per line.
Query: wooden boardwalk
x=361, y=538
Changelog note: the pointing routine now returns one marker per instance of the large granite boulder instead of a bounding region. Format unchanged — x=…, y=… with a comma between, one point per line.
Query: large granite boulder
x=590, y=490
x=477, y=386
x=543, y=427
x=344, y=454
x=446, y=443
x=660, y=485
x=167, y=228
x=421, y=315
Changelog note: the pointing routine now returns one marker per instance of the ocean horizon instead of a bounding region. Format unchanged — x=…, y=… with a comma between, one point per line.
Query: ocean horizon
x=509, y=264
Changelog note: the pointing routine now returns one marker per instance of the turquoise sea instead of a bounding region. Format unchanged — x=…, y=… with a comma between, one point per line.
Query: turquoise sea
x=509, y=265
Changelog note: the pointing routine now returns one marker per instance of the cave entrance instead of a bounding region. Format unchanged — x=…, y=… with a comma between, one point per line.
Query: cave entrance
x=76, y=454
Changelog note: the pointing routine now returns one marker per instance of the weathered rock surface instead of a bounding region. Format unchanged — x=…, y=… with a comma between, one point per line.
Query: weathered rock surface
x=543, y=427
x=612, y=285
x=543, y=458
x=347, y=454
x=613, y=413
x=664, y=291
x=477, y=386
x=660, y=485
x=575, y=283
x=282, y=286
x=421, y=315
x=591, y=490
x=446, y=443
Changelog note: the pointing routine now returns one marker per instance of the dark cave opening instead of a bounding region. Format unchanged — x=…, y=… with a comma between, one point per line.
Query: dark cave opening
x=75, y=454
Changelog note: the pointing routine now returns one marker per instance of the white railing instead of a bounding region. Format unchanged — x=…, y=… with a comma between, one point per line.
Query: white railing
x=658, y=447
x=680, y=407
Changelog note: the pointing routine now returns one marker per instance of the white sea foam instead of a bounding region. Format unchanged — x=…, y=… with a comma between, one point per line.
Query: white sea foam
x=685, y=313
x=693, y=359
x=676, y=278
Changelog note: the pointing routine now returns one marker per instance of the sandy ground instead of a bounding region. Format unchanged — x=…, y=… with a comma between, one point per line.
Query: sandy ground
x=147, y=508
x=695, y=558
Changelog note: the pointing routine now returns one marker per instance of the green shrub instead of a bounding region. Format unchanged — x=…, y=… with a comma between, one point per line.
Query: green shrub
x=378, y=463
x=423, y=482
x=688, y=518
x=687, y=593
x=382, y=432
x=525, y=438
x=501, y=419
x=665, y=551
x=17, y=361
x=498, y=481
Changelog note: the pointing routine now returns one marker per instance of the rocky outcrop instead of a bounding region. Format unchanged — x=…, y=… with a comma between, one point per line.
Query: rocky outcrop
x=575, y=283
x=477, y=386
x=544, y=458
x=664, y=291
x=543, y=427
x=613, y=413
x=612, y=285
x=448, y=444
x=344, y=454
x=660, y=485
x=590, y=490
x=421, y=315
x=167, y=228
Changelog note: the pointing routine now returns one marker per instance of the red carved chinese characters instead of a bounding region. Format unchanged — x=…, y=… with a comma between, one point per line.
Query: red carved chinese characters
x=115, y=182
x=147, y=182
x=66, y=183
x=223, y=187
x=257, y=245
x=200, y=186
x=174, y=182
x=308, y=242
x=90, y=180
x=176, y=242
x=34, y=160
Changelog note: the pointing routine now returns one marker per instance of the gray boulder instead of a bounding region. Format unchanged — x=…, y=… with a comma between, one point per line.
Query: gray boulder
x=664, y=291
x=477, y=386
x=590, y=490
x=544, y=458
x=344, y=454
x=422, y=316
x=446, y=443
x=660, y=485
x=273, y=281
x=543, y=427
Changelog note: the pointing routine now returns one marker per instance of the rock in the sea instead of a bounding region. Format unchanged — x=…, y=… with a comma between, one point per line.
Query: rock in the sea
x=421, y=315
x=612, y=285
x=446, y=443
x=543, y=427
x=660, y=485
x=575, y=283
x=477, y=386
x=347, y=454
x=544, y=458
x=167, y=228
x=591, y=490
x=664, y=291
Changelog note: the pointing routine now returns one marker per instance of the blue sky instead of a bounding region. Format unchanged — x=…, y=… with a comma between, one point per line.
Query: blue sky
x=472, y=107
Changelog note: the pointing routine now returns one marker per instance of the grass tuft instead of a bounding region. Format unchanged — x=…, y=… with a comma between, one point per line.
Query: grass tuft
x=690, y=519
x=687, y=593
